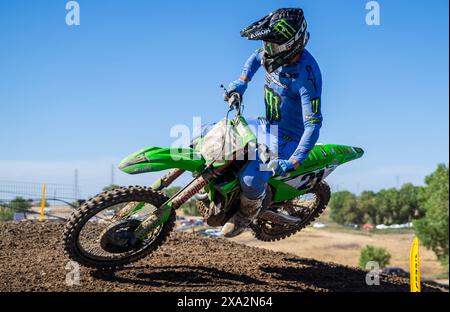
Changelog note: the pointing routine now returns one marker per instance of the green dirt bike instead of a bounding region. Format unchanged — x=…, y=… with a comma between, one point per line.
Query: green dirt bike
x=123, y=225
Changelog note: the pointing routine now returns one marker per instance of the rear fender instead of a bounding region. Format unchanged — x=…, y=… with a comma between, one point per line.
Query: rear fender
x=322, y=161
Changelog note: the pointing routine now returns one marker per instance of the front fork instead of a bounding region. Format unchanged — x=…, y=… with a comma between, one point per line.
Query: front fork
x=167, y=180
x=159, y=185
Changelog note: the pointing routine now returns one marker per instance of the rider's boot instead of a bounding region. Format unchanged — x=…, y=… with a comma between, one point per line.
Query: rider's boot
x=248, y=211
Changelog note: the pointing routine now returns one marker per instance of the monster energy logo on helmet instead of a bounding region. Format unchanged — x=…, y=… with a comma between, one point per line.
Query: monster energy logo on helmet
x=285, y=29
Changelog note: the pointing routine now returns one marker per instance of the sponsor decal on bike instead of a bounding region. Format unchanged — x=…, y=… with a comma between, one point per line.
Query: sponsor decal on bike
x=142, y=169
x=231, y=197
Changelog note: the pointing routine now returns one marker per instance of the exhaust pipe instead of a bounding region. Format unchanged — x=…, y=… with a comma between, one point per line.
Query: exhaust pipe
x=278, y=218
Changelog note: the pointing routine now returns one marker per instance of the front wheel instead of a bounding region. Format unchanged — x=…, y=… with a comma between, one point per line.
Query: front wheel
x=96, y=238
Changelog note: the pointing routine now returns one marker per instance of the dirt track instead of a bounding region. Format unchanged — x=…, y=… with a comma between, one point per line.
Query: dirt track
x=31, y=259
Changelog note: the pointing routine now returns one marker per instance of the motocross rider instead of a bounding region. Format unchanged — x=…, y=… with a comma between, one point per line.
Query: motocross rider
x=293, y=87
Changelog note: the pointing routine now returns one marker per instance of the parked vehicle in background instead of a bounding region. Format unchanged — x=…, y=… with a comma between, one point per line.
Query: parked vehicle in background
x=319, y=225
x=394, y=226
x=19, y=216
x=368, y=227
x=211, y=232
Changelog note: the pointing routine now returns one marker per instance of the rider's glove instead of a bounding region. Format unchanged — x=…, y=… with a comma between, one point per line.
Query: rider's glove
x=239, y=86
x=282, y=167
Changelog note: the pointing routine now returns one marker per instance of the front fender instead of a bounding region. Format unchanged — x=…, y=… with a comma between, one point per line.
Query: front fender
x=158, y=159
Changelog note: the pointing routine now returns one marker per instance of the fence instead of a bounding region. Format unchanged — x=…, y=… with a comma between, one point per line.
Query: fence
x=61, y=198
x=57, y=194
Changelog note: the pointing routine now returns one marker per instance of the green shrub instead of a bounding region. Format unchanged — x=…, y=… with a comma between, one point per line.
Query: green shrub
x=376, y=254
x=20, y=204
x=6, y=214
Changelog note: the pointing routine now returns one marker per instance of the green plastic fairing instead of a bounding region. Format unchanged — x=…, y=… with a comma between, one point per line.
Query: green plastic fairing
x=322, y=160
x=158, y=159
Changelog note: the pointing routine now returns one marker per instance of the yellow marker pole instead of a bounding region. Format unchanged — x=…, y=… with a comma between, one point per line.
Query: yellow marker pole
x=414, y=266
x=42, y=204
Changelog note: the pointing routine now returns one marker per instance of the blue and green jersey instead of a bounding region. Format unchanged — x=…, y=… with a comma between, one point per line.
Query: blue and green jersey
x=292, y=95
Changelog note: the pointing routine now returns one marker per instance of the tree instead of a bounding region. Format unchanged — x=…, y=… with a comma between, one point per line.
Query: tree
x=336, y=205
x=351, y=213
x=432, y=229
x=376, y=254
x=387, y=203
x=409, y=206
x=366, y=204
x=20, y=204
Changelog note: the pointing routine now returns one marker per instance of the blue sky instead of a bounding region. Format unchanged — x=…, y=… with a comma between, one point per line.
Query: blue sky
x=86, y=96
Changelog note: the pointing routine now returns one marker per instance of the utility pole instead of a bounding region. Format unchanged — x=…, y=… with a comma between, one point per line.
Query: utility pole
x=75, y=191
x=112, y=174
x=397, y=181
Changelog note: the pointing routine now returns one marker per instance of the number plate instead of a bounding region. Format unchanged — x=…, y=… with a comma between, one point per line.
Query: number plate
x=311, y=179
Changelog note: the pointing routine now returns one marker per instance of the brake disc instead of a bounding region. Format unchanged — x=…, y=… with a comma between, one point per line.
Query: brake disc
x=120, y=237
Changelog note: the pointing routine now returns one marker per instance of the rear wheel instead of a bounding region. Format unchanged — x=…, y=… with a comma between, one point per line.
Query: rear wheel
x=96, y=238
x=307, y=208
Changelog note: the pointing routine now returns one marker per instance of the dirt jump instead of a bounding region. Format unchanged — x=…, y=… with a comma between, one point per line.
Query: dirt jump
x=32, y=259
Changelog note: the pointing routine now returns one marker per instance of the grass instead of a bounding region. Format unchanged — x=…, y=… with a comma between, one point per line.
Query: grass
x=334, y=227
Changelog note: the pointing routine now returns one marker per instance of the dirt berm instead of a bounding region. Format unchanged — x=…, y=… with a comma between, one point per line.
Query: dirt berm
x=31, y=259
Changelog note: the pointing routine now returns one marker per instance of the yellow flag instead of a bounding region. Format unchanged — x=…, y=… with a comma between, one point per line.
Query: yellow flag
x=415, y=266
x=42, y=204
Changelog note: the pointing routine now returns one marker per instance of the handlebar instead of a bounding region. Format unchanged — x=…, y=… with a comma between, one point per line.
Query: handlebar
x=234, y=101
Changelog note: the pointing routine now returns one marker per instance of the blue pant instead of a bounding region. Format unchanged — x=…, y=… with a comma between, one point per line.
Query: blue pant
x=253, y=180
